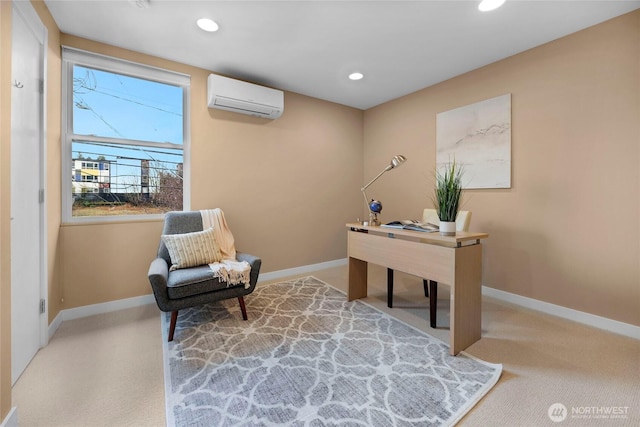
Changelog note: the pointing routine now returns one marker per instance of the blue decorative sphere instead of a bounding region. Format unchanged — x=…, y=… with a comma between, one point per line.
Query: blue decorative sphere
x=375, y=206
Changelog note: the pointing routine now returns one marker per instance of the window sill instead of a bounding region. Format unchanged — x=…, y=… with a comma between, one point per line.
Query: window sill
x=108, y=220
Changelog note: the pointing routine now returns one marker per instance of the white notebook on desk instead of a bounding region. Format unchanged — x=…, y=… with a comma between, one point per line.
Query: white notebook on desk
x=412, y=224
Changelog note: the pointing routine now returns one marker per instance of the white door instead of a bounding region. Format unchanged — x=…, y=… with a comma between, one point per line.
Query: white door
x=27, y=215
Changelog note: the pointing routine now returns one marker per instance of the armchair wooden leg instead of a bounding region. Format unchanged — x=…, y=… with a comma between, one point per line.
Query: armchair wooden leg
x=433, y=303
x=389, y=287
x=243, y=308
x=425, y=285
x=172, y=325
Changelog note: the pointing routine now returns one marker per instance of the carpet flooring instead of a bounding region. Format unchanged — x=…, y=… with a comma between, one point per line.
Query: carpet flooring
x=107, y=369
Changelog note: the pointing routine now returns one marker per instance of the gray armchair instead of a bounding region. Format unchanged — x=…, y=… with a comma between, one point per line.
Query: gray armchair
x=189, y=287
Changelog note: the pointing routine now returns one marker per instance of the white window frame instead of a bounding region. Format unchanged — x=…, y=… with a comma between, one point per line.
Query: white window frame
x=71, y=57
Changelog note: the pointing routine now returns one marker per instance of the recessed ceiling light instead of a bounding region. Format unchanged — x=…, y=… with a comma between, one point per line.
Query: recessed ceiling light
x=142, y=4
x=207, y=24
x=487, y=5
x=356, y=76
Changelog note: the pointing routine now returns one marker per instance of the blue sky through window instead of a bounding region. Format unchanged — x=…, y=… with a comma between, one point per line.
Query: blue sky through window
x=118, y=106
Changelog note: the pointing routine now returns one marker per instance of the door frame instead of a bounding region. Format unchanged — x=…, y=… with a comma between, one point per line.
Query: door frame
x=39, y=30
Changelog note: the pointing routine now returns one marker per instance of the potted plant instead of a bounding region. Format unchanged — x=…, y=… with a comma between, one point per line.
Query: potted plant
x=447, y=197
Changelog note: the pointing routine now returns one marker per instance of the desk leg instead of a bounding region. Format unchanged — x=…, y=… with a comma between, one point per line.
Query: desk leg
x=466, y=299
x=433, y=303
x=389, y=287
x=357, y=279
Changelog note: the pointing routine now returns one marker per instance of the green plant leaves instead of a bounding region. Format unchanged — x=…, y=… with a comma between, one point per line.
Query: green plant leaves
x=448, y=192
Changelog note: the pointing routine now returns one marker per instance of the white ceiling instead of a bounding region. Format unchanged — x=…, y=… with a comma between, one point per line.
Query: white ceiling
x=310, y=47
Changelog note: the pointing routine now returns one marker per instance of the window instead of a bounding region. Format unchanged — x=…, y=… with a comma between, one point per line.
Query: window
x=125, y=136
x=89, y=165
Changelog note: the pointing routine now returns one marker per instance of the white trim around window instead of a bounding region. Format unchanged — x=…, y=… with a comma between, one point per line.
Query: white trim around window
x=73, y=56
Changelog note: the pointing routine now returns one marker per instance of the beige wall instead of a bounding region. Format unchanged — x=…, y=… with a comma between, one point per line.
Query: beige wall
x=567, y=232
x=289, y=185
x=287, y=188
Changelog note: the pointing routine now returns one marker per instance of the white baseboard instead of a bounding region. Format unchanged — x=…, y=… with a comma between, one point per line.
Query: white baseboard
x=279, y=274
x=11, y=420
x=91, y=310
x=106, y=307
x=599, y=322
x=53, y=326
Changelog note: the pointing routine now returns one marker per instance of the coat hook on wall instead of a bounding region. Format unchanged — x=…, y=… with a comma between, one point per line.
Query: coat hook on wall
x=18, y=84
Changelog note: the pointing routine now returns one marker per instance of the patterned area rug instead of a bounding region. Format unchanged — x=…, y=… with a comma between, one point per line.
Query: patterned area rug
x=307, y=357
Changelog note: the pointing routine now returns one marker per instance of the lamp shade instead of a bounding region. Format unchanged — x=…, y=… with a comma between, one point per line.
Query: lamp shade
x=397, y=160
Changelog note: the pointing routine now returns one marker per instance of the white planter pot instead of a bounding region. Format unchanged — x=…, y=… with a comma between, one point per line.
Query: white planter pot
x=447, y=228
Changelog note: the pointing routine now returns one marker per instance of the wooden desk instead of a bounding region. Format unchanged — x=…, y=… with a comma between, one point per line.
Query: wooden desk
x=452, y=260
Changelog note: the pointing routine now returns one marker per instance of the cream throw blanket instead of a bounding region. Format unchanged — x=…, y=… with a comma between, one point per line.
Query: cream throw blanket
x=228, y=269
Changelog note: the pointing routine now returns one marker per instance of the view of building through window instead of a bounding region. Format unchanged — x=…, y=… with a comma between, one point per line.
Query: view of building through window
x=126, y=145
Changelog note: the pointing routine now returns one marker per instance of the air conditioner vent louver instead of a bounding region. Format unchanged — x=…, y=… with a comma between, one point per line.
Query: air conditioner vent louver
x=245, y=98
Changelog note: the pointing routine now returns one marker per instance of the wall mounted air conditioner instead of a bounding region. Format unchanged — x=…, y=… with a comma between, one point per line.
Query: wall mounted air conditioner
x=242, y=97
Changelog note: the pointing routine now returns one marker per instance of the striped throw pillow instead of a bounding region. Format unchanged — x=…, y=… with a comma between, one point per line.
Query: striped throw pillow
x=192, y=249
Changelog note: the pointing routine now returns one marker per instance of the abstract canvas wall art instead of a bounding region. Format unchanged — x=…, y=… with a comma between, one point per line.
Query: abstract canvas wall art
x=477, y=136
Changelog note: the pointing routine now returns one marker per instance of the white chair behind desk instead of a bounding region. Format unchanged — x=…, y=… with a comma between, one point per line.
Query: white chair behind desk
x=430, y=215
x=462, y=220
